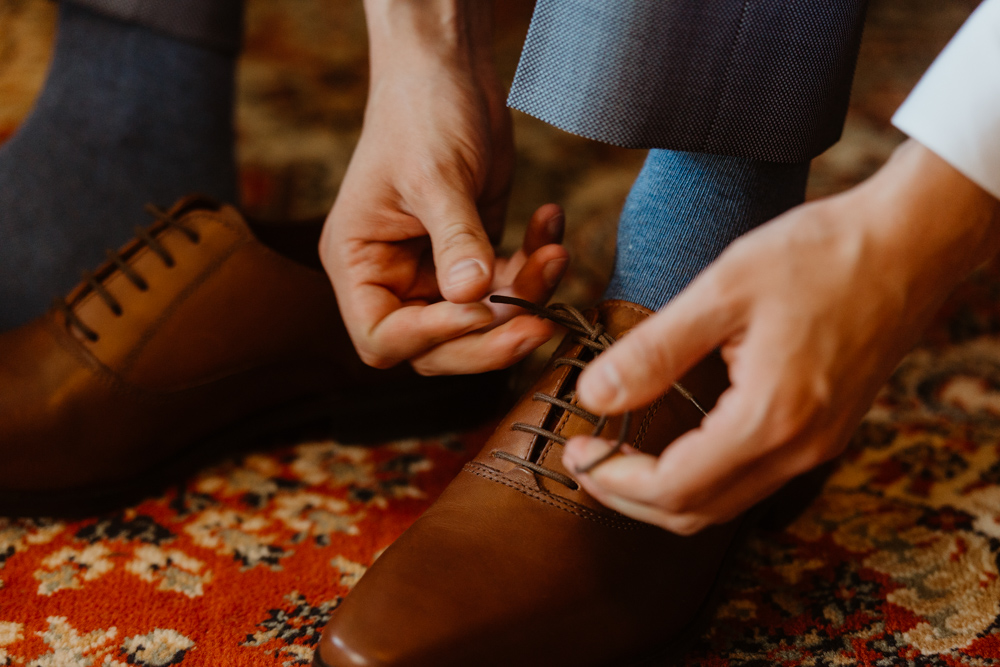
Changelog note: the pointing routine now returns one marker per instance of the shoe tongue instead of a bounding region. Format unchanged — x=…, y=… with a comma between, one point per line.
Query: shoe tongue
x=619, y=316
x=190, y=203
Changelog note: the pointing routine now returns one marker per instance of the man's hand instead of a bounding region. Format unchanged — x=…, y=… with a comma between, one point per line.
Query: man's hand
x=409, y=243
x=812, y=313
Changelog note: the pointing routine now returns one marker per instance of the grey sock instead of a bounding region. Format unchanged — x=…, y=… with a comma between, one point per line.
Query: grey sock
x=127, y=116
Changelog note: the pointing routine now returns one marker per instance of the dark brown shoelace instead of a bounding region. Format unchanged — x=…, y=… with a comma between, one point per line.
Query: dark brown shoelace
x=97, y=286
x=597, y=339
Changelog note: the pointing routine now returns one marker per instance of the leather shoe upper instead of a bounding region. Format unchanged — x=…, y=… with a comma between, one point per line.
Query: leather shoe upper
x=195, y=326
x=516, y=564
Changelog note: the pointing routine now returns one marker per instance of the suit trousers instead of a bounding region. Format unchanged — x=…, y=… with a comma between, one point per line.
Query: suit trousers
x=214, y=24
x=760, y=79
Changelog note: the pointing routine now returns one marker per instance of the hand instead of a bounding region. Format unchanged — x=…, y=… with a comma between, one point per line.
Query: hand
x=812, y=312
x=408, y=245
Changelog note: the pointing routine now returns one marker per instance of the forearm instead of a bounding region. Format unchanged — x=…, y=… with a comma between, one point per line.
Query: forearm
x=457, y=34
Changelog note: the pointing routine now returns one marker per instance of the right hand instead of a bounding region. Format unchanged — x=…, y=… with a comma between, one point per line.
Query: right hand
x=409, y=243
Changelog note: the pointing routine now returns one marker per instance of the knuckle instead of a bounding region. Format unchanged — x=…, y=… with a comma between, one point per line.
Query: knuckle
x=426, y=368
x=658, y=358
x=810, y=457
x=686, y=525
x=436, y=177
x=375, y=359
x=794, y=412
x=458, y=236
x=676, y=502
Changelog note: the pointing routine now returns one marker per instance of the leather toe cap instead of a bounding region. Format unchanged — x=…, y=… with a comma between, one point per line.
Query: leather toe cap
x=335, y=649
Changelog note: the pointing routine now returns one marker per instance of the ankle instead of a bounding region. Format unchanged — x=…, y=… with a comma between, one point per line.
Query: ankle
x=685, y=209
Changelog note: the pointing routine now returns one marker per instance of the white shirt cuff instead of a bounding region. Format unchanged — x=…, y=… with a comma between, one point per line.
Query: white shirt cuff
x=955, y=108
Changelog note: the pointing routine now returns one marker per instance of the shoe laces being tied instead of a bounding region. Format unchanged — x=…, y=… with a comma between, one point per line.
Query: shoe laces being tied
x=115, y=259
x=594, y=337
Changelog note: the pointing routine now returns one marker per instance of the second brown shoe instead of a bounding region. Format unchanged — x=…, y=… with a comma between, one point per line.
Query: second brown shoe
x=516, y=565
x=203, y=334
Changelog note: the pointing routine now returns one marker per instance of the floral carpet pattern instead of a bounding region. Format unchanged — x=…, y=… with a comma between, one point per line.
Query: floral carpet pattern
x=894, y=563
x=241, y=566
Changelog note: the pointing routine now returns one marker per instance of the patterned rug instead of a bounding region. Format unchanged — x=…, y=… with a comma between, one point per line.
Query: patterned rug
x=895, y=563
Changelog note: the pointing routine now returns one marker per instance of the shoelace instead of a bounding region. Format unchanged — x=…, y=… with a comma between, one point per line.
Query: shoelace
x=97, y=286
x=597, y=339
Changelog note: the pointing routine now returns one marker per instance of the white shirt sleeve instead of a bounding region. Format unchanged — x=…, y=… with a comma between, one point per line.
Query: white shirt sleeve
x=955, y=108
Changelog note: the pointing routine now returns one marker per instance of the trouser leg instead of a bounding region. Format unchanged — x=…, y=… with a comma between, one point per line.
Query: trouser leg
x=216, y=24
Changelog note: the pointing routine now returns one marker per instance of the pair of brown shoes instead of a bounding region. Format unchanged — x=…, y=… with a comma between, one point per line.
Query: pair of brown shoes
x=207, y=330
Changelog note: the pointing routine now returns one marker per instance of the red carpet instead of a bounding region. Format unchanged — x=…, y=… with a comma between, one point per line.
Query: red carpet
x=239, y=567
x=896, y=562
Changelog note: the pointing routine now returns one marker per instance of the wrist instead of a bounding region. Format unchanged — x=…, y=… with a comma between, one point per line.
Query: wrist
x=932, y=225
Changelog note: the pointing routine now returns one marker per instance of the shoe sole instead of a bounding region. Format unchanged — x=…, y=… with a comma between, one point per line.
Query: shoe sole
x=423, y=407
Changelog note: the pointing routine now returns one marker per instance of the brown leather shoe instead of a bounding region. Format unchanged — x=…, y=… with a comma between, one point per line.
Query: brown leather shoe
x=202, y=334
x=516, y=565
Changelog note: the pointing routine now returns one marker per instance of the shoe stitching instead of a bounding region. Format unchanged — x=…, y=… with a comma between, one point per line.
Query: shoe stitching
x=200, y=279
x=113, y=378
x=575, y=509
x=629, y=306
x=72, y=346
x=640, y=435
x=120, y=262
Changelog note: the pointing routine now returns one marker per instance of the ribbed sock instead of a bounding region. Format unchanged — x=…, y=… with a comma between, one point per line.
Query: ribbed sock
x=682, y=212
x=126, y=116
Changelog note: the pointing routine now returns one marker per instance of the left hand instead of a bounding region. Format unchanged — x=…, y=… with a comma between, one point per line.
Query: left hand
x=812, y=312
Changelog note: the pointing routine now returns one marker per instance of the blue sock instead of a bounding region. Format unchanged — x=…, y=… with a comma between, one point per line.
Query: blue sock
x=682, y=212
x=127, y=116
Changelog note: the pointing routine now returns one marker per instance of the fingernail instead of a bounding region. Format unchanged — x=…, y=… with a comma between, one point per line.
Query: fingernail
x=465, y=272
x=554, y=270
x=603, y=387
x=554, y=227
x=581, y=450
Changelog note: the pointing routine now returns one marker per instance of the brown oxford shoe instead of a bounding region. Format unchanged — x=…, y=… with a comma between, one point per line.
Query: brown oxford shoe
x=516, y=565
x=203, y=334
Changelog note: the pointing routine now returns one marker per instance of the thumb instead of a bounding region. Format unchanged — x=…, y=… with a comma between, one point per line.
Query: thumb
x=463, y=255
x=646, y=362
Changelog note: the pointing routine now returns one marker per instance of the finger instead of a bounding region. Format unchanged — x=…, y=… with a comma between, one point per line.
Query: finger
x=546, y=226
x=651, y=357
x=615, y=489
x=407, y=331
x=700, y=466
x=480, y=352
x=630, y=475
x=463, y=254
x=615, y=484
x=682, y=524
x=611, y=484
x=753, y=485
x=536, y=281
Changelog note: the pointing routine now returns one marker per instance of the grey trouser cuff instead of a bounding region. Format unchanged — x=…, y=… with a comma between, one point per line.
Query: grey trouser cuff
x=215, y=24
x=760, y=79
